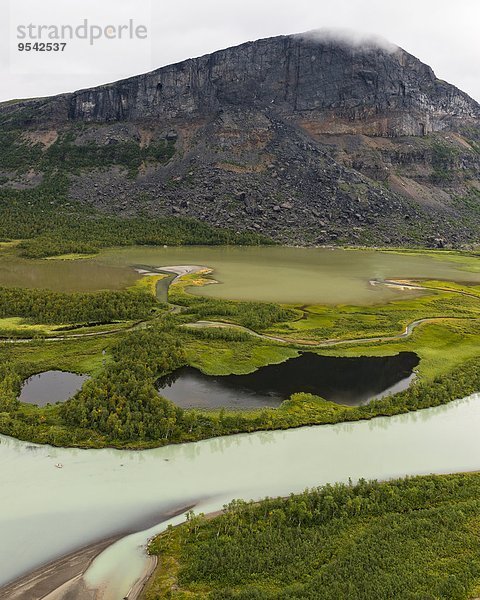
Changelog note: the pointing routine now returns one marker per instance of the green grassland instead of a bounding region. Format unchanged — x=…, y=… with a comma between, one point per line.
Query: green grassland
x=415, y=539
x=224, y=357
x=120, y=406
x=341, y=322
x=84, y=355
x=13, y=326
x=468, y=261
x=443, y=344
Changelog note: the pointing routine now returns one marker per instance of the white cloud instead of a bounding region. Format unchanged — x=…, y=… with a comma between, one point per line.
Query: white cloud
x=349, y=37
x=441, y=33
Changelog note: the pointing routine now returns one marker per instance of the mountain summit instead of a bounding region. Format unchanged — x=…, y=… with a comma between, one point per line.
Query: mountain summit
x=310, y=138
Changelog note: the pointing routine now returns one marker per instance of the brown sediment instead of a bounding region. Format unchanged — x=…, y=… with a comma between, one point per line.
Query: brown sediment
x=43, y=582
x=62, y=579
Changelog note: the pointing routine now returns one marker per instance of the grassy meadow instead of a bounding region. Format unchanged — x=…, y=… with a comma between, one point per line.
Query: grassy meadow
x=137, y=339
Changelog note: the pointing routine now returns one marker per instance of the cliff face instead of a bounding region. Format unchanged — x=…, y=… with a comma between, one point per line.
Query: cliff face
x=342, y=87
x=292, y=132
x=339, y=86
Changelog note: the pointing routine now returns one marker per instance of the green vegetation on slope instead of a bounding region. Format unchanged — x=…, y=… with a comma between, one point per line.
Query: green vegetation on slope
x=56, y=232
x=39, y=211
x=73, y=158
x=49, y=224
x=66, y=156
x=415, y=539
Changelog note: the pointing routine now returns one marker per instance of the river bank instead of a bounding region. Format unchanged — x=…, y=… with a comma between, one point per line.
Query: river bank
x=415, y=537
x=58, y=579
x=63, y=578
x=104, y=491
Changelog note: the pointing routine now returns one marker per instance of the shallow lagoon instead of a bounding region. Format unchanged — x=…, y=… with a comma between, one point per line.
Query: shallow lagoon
x=277, y=274
x=300, y=275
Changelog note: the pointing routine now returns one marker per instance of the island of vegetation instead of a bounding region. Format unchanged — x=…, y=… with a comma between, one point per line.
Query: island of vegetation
x=413, y=538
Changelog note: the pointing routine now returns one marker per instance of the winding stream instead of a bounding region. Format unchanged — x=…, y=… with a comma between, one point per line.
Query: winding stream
x=46, y=512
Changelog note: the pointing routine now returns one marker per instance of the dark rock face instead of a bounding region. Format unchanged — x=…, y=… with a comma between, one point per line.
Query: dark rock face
x=344, y=88
x=349, y=89
x=307, y=140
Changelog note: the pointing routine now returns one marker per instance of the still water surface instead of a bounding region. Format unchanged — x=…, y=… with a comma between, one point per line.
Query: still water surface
x=352, y=381
x=46, y=511
x=50, y=387
x=277, y=274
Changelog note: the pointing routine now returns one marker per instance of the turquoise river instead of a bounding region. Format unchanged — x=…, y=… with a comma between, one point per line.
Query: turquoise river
x=46, y=512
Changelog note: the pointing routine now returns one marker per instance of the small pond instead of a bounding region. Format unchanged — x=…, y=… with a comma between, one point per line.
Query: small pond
x=350, y=381
x=50, y=387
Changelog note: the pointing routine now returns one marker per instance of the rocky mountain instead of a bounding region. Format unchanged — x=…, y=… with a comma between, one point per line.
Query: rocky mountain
x=307, y=138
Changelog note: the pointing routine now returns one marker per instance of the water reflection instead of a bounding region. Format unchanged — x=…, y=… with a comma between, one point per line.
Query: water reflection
x=50, y=387
x=351, y=381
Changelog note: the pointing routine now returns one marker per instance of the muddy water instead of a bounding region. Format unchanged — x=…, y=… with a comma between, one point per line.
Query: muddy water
x=301, y=275
x=296, y=275
x=84, y=275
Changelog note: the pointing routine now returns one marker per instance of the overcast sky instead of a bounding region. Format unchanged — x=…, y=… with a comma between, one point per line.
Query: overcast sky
x=442, y=33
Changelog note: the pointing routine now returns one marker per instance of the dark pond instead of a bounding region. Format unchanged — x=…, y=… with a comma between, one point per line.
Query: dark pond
x=50, y=387
x=351, y=381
